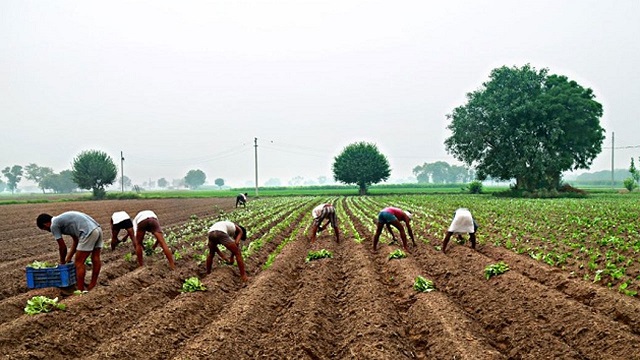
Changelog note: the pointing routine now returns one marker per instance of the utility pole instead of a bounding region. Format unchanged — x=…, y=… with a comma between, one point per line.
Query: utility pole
x=255, y=141
x=122, y=170
x=613, y=149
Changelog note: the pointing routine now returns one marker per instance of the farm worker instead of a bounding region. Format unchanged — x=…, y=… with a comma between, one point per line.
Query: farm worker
x=144, y=221
x=462, y=223
x=393, y=216
x=241, y=199
x=228, y=234
x=320, y=213
x=120, y=220
x=87, y=240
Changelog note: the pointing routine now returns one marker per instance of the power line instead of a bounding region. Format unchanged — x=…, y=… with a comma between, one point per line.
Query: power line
x=622, y=147
x=196, y=160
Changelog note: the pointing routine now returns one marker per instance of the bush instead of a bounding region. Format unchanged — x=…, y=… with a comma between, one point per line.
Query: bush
x=475, y=187
x=630, y=184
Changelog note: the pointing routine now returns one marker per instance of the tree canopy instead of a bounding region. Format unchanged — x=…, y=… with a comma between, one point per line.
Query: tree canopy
x=219, y=182
x=527, y=125
x=37, y=174
x=59, y=183
x=13, y=175
x=362, y=164
x=441, y=172
x=95, y=170
x=195, y=178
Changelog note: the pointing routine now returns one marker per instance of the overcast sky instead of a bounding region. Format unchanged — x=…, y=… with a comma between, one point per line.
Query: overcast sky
x=181, y=85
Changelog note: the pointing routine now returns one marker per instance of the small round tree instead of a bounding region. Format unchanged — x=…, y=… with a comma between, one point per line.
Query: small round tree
x=219, y=182
x=361, y=164
x=195, y=178
x=95, y=170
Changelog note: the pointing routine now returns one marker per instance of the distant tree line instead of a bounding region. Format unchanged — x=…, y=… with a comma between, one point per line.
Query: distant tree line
x=92, y=170
x=440, y=172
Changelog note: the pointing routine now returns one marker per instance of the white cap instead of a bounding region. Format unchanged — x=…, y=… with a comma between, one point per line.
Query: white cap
x=410, y=215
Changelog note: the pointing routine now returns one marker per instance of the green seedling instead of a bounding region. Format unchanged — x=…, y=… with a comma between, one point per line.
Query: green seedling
x=41, y=265
x=320, y=254
x=397, y=254
x=423, y=285
x=495, y=269
x=193, y=284
x=42, y=304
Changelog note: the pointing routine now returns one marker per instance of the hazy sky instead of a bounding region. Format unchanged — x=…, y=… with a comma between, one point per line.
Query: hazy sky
x=180, y=85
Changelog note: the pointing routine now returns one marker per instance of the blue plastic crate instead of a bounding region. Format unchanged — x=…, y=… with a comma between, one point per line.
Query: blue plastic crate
x=59, y=276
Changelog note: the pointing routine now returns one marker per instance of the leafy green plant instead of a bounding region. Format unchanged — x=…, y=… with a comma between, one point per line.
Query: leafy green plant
x=193, y=284
x=423, y=285
x=630, y=184
x=41, y=265
x=623, y=289
x=320, y=254
x=148, y=246
x=42, y=304
x=475, y=187
x=128, y=257
x=397, y=254
x=495, y=269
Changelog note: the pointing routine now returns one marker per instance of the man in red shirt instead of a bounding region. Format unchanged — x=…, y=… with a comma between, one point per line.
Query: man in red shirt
x=393, y=216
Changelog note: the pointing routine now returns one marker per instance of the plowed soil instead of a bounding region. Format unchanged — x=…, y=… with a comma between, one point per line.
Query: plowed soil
x=356, y=305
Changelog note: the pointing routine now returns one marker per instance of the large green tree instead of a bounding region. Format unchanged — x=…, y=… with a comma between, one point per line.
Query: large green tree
x=362, y=164
x=37, y=174
x=13, y=175
x=95, y=170
x=195, y=178
x=526, y=125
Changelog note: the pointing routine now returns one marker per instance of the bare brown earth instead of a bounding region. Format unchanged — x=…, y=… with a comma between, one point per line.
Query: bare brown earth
x=356, y=305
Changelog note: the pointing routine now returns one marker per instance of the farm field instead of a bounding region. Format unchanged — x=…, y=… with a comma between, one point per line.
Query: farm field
x=570, y=293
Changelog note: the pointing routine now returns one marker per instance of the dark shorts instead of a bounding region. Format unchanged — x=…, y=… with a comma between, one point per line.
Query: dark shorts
x=385, y=217
x=151, y=225
x=123, y=225
x=220, y=238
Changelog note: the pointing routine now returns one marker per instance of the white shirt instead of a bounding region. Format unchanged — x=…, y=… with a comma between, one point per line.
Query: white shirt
x=142, y=215
x=462, y=222
x=317, y=211
x=226, y=227
x=119, y=216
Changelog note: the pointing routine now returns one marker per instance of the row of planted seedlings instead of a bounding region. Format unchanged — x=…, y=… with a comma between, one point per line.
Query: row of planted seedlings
x=364, y=217
x=593, y=237
x=190, y=238
x=423, y=220
x=589, y=237
x=281, y=222
x=344, y=222
x=294, y=234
